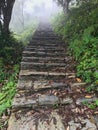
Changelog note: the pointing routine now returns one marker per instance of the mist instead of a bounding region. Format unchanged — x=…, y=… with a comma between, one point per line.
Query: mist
x=27, y=12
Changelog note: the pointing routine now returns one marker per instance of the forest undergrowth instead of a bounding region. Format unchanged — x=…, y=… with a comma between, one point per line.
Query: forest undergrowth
x=79, y=29
x=10, y=56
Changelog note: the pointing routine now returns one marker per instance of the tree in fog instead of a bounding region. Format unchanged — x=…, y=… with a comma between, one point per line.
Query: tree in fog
x=6, y=7
x=64, y=4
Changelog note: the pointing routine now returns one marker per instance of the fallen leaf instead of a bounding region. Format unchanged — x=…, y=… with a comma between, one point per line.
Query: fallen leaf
x=73, y=76
x=92, y=120
x=79, y=80
x=4, y=117
x=96, y=82
x=56, y=93
x=88, y=96
x=96, y=112
x=78, y=90
x=30, y=113
x=77, y=110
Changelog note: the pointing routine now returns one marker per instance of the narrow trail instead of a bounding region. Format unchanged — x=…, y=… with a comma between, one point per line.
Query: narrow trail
x=45, y=99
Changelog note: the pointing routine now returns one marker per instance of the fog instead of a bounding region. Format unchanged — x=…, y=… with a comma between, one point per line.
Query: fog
x=27, y=12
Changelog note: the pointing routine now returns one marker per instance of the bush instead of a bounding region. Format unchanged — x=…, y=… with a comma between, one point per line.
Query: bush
x=80, y=30
x=11, y=49
x=26, y=35
x=8, y=81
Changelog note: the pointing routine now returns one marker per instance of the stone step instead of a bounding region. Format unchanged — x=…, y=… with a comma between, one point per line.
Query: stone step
x=34, y=75
x=43, y=60
x=40, y=85
x=40, y=100
x=45, y=50
x=34, y=44
x=45, y=47
x=48, y=41
x=44, y=34
x=42, y=54
x=29, y=121
x=50, y=120
x=45, y=38
x=41, y=42
x=39, y=66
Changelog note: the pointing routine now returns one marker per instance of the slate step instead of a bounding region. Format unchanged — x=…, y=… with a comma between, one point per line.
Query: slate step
x=47, y=41
x=45, y=33
x=34, y=75
x=45, y=38
x=39, y=66
x=40, y=34
x=34, y=44
x=40, y=85
x=40, y=100
x=43, y=60
x=45, y=47
x=45, y=50
x=29, y=121
x=42, y=54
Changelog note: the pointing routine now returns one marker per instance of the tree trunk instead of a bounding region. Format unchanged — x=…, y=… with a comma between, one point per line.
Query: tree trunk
x=6, y=11
x=66, y=6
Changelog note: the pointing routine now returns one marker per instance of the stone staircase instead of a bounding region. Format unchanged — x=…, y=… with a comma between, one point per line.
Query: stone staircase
x=42, y=85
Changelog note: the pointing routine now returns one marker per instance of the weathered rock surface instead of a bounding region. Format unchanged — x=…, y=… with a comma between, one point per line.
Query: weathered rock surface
x=88, y=100
x=52, y=121
x=41, y=100
x=88, y=125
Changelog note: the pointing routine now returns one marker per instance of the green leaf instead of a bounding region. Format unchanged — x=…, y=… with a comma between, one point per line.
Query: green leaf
x=96, y=102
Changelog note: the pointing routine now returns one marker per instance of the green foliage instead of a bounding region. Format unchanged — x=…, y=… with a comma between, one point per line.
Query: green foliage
x=26, y=35
x=10, y=55
x=1, y=62
x=80, y=29
x=7, y=95
x=10, y=49
x=8, y=88
x=92, y=105
x=3, y=75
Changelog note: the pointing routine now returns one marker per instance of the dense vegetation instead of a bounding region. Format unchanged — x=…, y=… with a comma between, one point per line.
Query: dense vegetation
x=10, y=50
x=10, y=56
x=25, y=35
x=79, y=28
x=8, y=82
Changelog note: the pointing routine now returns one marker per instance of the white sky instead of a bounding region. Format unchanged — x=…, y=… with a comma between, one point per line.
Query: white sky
x=42, y=6
x=32, y=10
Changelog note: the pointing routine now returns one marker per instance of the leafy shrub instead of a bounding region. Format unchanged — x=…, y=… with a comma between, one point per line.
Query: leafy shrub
x=80, y=30
x=26, y=35
x=10, y=49
x=8, y=87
